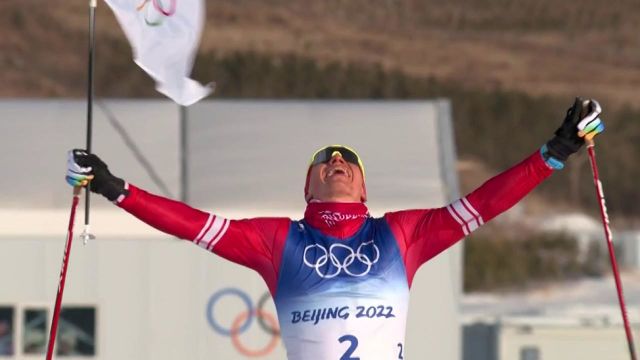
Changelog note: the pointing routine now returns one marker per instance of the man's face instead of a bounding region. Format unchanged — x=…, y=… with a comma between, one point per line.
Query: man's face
x=336, y=181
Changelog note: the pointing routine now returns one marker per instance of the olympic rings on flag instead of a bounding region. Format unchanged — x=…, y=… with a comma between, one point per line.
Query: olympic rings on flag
x=244, y=319
x=159, y=7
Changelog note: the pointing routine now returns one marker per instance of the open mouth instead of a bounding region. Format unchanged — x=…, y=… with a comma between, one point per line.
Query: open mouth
x=337, y=172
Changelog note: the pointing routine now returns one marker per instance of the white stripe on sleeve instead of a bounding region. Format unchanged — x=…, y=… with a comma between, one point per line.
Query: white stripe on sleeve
x=220, y=234
x=475, y=213
x=214, y=233
x=204, y=229
x=466, y=215
x=457, y=218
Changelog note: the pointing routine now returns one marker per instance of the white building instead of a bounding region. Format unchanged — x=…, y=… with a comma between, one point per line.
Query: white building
x=577, y=320
x=545, y=338
x=135, y=293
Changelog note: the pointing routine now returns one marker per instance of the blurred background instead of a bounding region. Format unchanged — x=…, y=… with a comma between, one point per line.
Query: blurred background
x=500, y=74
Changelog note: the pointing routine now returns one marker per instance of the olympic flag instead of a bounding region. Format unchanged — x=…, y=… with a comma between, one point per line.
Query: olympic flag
x=164, y=36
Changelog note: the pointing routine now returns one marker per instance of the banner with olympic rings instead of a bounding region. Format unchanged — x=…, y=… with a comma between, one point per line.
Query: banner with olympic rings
x=155, y=12
x=251, y=327
x=164, y=37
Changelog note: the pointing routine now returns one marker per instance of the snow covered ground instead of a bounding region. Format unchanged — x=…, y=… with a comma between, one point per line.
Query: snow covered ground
x=580, y=299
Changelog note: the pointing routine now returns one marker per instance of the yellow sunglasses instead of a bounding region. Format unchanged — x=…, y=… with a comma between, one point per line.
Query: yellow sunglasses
x=323, y=155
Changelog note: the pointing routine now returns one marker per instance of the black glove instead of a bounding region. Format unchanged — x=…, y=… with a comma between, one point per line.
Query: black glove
x=582, y=122
x=83, y=167
x=566, y=140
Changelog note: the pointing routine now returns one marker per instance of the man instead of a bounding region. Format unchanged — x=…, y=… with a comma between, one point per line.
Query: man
x=340, y=278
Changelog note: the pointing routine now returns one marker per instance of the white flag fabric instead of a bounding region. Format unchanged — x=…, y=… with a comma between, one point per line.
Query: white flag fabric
x=164, y=36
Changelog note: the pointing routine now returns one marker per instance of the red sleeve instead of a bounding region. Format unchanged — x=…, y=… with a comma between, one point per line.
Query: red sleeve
x=423, y=234
x=255, y=243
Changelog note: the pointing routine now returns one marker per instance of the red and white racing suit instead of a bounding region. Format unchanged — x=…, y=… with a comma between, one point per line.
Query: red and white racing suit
x=340, y=278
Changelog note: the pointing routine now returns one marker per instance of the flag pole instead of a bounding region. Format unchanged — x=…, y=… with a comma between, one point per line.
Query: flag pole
x=86, y=233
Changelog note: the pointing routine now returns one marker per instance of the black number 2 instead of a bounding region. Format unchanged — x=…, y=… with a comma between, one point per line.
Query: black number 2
x=352, y=348
x=400, y=353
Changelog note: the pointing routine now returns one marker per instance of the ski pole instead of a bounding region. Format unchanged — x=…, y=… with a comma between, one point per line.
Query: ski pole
x=86, y=234
x=612, y=254
x=63, y=273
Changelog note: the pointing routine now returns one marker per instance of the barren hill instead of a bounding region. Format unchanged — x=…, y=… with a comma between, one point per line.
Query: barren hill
x=556, y=47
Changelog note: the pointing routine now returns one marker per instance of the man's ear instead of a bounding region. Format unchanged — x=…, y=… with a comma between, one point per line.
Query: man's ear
x=307, y=196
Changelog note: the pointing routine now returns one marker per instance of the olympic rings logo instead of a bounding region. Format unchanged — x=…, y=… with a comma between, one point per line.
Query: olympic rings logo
x=155, y=14
x=330, y=256
x=243, y=321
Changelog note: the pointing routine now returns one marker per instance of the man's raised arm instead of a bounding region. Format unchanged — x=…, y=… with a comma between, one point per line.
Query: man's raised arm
x=423, y=234
x=254, y=243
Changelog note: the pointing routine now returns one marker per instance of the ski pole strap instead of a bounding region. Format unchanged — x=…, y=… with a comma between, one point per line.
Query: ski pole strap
x=550, y=160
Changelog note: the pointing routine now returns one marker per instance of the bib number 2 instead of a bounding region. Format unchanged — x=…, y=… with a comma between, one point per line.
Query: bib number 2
x=353, y=344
